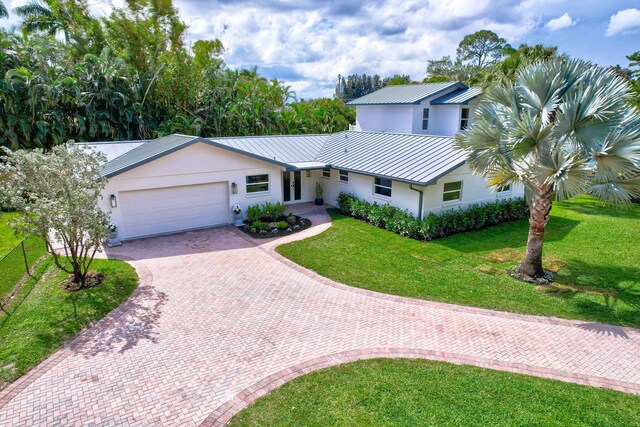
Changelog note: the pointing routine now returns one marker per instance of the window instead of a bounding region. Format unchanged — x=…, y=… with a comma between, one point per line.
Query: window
x=504, y=189
x=326, y=173
x=382, y=186
x=464, y=119
x=344, y=176
x=257, y=183
x=425, y=119
x=452, y=191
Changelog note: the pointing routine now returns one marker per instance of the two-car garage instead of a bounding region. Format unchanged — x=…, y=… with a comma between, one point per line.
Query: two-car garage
x=169, y=209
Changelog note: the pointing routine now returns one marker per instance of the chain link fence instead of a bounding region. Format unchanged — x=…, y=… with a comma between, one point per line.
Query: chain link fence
x=19, y=264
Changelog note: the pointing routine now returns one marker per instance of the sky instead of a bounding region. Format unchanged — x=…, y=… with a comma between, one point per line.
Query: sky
x=307, y=43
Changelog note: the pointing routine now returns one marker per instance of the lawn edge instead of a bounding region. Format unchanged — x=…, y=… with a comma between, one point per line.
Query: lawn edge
x=145, y=278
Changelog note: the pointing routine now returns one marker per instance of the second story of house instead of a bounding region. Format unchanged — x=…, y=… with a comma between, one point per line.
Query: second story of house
x=431, y=109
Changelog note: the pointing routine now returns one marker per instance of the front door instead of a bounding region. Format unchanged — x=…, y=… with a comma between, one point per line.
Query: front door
x=291, y=186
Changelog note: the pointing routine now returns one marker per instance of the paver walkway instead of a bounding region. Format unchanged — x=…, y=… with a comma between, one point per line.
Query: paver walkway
x=219, y=320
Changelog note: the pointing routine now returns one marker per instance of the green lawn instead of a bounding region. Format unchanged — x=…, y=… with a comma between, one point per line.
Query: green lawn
x=8, y=238
x=12, y=265
x=594, y=249
x=401, y=392
x=44, y=316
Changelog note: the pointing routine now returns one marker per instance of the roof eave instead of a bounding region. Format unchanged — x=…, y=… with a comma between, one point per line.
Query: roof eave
x=417, y=102
x=188, y=144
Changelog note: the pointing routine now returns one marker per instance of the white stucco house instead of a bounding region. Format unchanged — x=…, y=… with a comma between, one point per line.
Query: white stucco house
x=400, y=152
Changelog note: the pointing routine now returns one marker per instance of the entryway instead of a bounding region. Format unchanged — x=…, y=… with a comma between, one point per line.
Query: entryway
x=291, y=186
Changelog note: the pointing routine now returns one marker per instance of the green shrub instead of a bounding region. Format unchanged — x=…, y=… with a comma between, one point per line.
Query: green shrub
x=257, y=225
x=281, y=225
x=254, y=213
x=291, y=219
x=272, y=211
x=434, y=226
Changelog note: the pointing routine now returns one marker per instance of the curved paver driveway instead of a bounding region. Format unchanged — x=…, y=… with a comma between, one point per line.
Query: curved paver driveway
x=218, y=321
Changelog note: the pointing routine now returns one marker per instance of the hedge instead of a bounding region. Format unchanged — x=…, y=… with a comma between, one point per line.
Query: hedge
x=434, y=226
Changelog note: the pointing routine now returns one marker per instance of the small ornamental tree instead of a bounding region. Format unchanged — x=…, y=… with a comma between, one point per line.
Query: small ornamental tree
x=56, y=194
x=562, y=128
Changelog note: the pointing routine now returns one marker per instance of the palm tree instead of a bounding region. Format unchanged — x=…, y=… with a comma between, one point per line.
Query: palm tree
x=4, y=13
x=52, y=16
x=563, y=128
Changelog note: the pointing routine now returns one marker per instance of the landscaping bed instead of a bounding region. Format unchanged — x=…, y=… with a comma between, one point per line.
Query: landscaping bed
x=283, y=226
x=401, y=392
x=269, y=220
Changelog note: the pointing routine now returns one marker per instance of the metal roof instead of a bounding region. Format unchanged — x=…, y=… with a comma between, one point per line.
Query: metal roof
x=416, y=159
x=462, y=96
x=405, y=94
x=111, y=149
x=284, y=148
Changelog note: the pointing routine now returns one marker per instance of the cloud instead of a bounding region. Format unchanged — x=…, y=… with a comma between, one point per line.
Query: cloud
x=624, y=21
x=561, y=22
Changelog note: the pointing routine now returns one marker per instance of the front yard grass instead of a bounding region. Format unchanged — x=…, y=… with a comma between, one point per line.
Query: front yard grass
x=43, y=316
x=402, y=392
x=8, y=238
x=594, y=250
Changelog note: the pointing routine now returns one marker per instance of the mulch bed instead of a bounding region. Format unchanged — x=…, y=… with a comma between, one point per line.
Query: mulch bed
x=94, y=278
x=268, y=230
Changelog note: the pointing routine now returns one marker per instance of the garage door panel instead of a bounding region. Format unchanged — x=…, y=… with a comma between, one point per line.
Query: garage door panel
x=165, y=210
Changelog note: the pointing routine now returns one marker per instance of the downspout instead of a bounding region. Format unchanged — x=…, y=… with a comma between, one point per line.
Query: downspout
x=419, y=200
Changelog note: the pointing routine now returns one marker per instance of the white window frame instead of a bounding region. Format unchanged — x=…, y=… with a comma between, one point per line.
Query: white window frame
x=425, y=120
x=376, y=186
x=257, y=193
x=506, y=189
x=328, y=170
x=344, y=176
x=463, y=119
x=454, y=201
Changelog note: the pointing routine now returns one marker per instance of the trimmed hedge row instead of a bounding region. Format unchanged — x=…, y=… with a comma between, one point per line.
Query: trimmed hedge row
x=433, y=226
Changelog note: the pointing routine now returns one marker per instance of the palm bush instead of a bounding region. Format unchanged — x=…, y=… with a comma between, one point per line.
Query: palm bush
x=562, y=128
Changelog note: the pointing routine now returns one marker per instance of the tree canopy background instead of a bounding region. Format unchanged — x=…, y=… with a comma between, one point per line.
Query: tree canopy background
x=130, y=75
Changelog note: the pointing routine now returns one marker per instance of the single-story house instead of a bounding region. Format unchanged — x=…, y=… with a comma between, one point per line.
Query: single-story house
x=181, y=182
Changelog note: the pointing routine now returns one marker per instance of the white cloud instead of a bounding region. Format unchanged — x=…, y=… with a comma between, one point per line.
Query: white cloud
x=561, y=22
x=624, y=21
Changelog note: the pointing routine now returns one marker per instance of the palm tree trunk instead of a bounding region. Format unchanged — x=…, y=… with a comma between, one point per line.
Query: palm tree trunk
x=531, y=266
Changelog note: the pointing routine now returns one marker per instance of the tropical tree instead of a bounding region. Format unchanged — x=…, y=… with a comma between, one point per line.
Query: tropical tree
x=53, y=16
x=56, y=195
x=563, y=128
x=4, y=13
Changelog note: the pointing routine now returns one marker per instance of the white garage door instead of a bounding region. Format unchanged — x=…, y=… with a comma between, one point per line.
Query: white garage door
x=170, y=209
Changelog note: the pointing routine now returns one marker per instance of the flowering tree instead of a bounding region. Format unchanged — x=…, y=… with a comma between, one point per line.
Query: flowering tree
x=57, y=193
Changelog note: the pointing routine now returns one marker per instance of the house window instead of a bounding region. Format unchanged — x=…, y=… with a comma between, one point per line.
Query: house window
x=382, y=186
x=425, y=119
x=326, y=173
x=452, y=191
x=464, y=119
x=504, y=189
x=257, y=183
x=344, y=176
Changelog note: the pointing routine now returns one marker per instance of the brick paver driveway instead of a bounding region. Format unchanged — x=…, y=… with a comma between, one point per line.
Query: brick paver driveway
x=218, y=321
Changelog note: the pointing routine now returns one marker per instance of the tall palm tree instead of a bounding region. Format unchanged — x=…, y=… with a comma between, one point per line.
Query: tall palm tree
x=563, y=128
x=53, y=16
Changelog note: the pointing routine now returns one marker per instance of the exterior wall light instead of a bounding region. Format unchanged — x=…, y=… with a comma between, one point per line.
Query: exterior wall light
x=234, y=188
x=114, y=201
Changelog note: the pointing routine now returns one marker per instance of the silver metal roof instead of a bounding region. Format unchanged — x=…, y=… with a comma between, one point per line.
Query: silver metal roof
x=417, y=159
x=284, y=148
x=462, y=96
x=405, y=94
x=110, y=149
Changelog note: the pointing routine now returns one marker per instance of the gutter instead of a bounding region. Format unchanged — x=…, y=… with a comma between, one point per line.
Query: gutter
x=420, y=199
